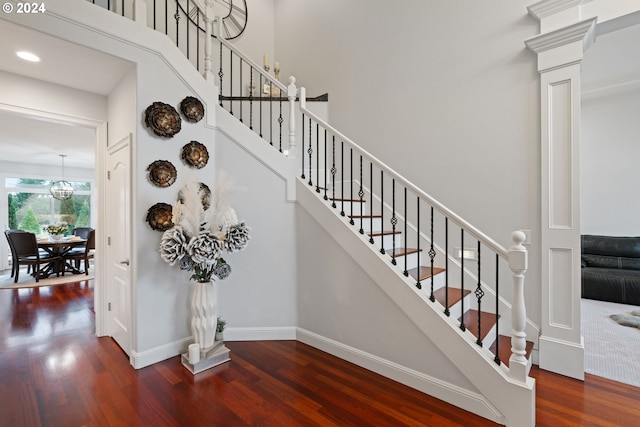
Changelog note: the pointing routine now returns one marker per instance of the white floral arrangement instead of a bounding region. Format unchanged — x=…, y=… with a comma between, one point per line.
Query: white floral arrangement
x=205, y=227
x=59, y=228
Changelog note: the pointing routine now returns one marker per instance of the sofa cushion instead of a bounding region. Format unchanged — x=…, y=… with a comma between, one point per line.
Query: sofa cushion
x=603, y=261
x=614, y=285
x=628, y=247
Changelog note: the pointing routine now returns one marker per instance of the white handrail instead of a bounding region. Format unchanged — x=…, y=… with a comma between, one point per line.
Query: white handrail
x=496, y=247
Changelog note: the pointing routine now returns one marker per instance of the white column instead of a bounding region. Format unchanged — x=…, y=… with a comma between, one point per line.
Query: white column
x=560, y=53
x=519, y=366
x=208, y=42
x=292, y=92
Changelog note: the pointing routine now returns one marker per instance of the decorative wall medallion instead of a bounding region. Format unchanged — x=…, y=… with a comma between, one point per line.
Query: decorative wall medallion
x=195, y=154
x=163, y=119
x=192, y=109
x=162, y=173
x=159, y=216
x=205, y=195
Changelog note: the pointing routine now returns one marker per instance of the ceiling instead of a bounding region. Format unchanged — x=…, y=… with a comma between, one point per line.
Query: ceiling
x=613, y=58
x=63, y=63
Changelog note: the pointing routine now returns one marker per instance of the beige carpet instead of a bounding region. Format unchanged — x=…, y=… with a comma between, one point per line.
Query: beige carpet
x=611, y=350
x=26, y=281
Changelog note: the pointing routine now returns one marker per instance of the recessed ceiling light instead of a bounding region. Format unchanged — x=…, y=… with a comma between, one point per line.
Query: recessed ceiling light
x=28, y=56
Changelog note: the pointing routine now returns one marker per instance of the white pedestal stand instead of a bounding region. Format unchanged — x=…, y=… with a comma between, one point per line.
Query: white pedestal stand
x=215, y=355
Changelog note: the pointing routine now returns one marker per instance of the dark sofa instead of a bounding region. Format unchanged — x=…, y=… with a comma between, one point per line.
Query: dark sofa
x=611, y=269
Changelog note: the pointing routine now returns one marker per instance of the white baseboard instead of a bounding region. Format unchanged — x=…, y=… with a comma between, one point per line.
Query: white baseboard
x=158, y=354
x=462, y=398
x=260, y=334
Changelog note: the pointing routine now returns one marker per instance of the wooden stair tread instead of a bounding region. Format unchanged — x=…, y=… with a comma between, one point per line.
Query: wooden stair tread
x=470, y=320
x=505, y=348
x=383, y=233
x=398, y=252
x=423, y=272
x=455, y=295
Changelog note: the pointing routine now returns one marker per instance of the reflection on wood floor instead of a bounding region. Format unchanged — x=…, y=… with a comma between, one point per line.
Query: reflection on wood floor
x=54, y=371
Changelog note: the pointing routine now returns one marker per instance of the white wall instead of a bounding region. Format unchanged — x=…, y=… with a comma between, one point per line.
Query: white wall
x=444, y=92
x=609, y=172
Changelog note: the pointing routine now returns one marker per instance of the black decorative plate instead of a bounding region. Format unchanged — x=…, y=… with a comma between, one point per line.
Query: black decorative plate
x=159, y=216
x=163, y=119
x=162, y=173
x=205, y=195
x=195, y=154
x=192, y=109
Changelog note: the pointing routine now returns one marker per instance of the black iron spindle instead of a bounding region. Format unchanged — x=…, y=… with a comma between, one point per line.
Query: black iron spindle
x=154, y=15
x=342, y=178
x=462, y=325
x=393, y=221
x=479, y=294
x=176, y=16
x=261, y=102
x=432, y=255
x=187, y=16
x=382, y=251
x=166, y=17
x=318, y=158
x=220, y=75
x=325, y=166
x=497, y=358
x=122, y=6
x=446, y=266
x=198, y=40
x=280, y=121
x=419, y=270
x=271, y=122
x=361, y=195
x=251, y=98
x=240, y=91
x=302, y=156
x=333, y=170
x=231, y=82
x=406, y=236
x=310, y=152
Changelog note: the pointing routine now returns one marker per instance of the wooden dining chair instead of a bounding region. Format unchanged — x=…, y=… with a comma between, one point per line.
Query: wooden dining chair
x=14, y=263
x=86, y=254
x=82, y=232
x=27, y=253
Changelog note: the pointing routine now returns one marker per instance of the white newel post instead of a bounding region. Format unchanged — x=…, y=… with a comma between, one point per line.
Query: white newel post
x=208, y=42
x=140, y=12
x=292, y=92
x=518, y=364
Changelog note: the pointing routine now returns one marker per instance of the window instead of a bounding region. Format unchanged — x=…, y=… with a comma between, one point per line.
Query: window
x=31, y=206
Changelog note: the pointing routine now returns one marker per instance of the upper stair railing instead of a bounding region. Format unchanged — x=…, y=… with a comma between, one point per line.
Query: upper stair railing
x=345, y=174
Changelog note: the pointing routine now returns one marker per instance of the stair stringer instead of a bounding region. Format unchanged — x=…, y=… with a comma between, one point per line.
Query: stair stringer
x=513, y=401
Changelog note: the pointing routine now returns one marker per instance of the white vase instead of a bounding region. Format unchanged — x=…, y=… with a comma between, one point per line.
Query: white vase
x=55, y=236
x=204, y=314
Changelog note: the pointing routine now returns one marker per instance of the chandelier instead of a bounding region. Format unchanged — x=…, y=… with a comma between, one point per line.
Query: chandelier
x=61, y=190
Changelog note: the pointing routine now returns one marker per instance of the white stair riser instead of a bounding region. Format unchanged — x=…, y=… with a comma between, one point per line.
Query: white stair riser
x=389, y=241
x=413, y=260
x=351, y=208
x=367, y=225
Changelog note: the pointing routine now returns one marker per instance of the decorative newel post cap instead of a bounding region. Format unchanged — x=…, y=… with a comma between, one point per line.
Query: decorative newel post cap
x=292, y=80
x=518, y=237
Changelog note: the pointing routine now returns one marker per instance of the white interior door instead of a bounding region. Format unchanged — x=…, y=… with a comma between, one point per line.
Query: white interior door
x=118, y=229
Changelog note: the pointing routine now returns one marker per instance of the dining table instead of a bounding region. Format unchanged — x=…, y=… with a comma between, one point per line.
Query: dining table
x=59, y=248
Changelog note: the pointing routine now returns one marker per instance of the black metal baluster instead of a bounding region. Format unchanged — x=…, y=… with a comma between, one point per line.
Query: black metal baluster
x=406, y=236
x=462, y=325
x=393, y=221
x=382, y=251
x=310, y=152
x=361, y=195
x=371, y=195
x=318, y=158
x=122, y=6
x=240, y=91
x=220, y=74
x=271, y=123
x=187, y=16
x=302, y=156
x=154, y=15
x=166, y=17
x=446, y=266
x=419, y=270
x=251, y=98
x=342, y=177
x=497, y=358
x=432, y=255
x=325, y=166
x=176, y=16
x=479, y=294
x=197, y=40
x=280, y=121
x=261, y=102
x=333, y=170
x=351, y=186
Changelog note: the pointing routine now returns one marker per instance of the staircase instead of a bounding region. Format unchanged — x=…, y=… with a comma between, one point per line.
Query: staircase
x=444, y=272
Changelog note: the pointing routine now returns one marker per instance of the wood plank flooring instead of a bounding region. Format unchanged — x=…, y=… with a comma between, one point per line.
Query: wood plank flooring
x=54, y=371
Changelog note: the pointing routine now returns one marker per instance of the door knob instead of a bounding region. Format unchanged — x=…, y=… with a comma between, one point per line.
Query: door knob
x=125, y=262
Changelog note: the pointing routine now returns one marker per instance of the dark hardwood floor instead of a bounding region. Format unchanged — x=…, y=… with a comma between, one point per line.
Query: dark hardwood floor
x=54, y=371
